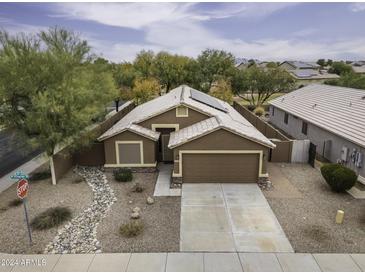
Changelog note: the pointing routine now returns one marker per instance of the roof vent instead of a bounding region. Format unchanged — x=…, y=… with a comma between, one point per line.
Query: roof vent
x=314, y=105
x=363, y=97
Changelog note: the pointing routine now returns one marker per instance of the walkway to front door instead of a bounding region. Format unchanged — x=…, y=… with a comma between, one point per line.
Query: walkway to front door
x=162, y=187
x=229, y=217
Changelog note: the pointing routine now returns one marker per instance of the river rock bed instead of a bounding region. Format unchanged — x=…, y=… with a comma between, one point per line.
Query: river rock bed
x=79, y=235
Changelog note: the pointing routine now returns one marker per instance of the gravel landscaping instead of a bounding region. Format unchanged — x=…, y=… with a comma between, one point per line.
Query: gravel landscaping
x=79, y=235
x=161, y=219
x=99, y=208
x=42, y=195
x=306, y=208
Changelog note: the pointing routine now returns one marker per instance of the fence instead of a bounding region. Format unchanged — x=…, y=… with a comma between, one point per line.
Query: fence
x=94, y=154
x=286, y=150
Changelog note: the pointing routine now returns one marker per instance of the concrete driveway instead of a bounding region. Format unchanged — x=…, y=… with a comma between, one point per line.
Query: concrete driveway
x=229, y=217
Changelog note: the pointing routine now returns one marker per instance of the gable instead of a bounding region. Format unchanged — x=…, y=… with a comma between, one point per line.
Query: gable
x=169, y=117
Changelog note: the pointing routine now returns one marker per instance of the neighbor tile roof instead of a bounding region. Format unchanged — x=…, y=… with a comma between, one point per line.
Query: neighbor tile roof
x=182, y=96
x=339, y=110
x=302, y=65
x=312, y=74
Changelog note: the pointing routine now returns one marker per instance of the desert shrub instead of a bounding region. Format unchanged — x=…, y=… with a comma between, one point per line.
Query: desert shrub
x=259, y=111
x=338, y=177
x=123, y=174
x=51, y=217
x=131, y=229
x=251, y=107
x=15, y=202
x=42, y=175
x=137, y=188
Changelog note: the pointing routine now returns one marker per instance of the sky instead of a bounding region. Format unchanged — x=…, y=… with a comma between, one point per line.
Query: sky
x=264, y=31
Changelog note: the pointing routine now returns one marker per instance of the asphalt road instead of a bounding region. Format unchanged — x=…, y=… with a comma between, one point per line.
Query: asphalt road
x=14, y=151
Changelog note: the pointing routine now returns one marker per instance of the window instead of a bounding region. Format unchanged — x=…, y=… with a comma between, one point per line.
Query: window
x=182, y=111
x=304, y=128
x=272, y=111
x=286, y=118
x=129, y=152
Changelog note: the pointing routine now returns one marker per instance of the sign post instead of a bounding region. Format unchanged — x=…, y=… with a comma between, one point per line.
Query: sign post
x=21, y=192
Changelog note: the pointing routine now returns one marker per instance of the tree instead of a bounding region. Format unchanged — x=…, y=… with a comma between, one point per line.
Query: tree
x=256, y=85
x=143, y=63
x=50, y=90
x=321, y=62
x=171, y=70
x=145, y=90
x=213, y=65
x=350, y=80
x=222, y=90
x=340, y=68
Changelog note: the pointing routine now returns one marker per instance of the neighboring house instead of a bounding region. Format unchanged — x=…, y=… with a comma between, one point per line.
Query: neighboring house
x=358, y=67
x=331, y=117
x=307, y=72
x=204, y=137
x=297, y=65
x=246, y=65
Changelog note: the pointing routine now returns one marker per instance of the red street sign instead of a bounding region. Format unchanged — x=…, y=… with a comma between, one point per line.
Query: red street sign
x=22, y=188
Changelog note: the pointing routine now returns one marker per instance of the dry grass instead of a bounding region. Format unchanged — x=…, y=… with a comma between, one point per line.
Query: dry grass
x=52, y=217
x=131, y=229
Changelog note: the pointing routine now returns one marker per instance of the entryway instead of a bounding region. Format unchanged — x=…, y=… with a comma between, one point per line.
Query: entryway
x=164, y=154
x=229, y=217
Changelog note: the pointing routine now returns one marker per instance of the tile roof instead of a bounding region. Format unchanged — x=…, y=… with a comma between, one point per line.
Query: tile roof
x=302, y=65
x=339, y=110
x=182, y=96
x=312, y=74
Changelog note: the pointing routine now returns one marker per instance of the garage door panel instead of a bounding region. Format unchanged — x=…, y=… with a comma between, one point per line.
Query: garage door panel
x=220, y=168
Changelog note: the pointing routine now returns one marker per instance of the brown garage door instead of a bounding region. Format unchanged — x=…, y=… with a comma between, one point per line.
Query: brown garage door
x=220, y=168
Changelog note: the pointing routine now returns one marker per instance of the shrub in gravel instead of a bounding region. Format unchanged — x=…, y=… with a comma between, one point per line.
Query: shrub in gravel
x=77, y=180
x=131, y=229
x=123, y=174
x=42, y=175
x=137, y=188
x=259, y=111
x=338, y=177
x=15, y=203
x=51, y=217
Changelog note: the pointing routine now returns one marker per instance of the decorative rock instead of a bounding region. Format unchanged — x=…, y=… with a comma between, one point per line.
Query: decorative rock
x=136, y=209
x=79, y=235
x=135, y=215
x=150, y=200
x=129, y=202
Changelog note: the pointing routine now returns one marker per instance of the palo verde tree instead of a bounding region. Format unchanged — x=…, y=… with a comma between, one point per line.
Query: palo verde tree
x=50, y=90
x=256, y=85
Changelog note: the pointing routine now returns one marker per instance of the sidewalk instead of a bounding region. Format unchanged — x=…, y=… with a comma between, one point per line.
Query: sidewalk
x=188, y=262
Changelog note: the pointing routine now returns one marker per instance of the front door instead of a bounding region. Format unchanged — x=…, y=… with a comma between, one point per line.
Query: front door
x=167, y=154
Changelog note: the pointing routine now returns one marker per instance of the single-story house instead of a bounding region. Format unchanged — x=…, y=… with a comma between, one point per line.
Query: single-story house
x=306, y=73
x=331, y=117
x=297, y=65
x=205, y=138
x=358, y=67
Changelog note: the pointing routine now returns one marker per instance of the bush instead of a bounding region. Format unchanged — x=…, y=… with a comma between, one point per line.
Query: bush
x=250, y=107
x=15, y=202
x=42, y=175
x=131, y=229
x=123, y=174
x=259, y=111
x=137, y=188
x=51, y=217
x=339, y=177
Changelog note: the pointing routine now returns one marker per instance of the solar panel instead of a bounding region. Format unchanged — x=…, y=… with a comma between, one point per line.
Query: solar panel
x=206, y=99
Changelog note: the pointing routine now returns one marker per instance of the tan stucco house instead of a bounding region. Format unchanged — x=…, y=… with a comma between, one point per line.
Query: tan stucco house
x=205, y=138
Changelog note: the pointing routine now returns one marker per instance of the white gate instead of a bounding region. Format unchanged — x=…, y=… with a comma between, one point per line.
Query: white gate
x=300, y=151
